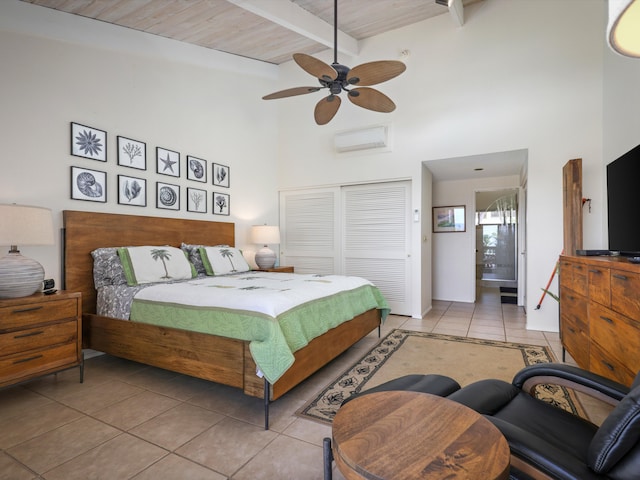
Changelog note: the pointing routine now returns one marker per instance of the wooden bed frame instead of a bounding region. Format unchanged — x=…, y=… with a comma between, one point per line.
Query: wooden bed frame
x=210, y=357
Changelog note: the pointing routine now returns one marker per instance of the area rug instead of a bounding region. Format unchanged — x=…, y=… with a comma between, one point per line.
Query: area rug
x=404, y=352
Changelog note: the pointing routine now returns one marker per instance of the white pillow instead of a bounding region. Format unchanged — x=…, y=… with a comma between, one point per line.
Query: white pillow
x=155, y=264
x=223, y=260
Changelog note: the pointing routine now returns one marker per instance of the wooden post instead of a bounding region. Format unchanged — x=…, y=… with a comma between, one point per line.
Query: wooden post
x=572, y=206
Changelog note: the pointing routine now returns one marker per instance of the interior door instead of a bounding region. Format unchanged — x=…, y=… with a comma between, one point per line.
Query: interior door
x=376, y=222
x=522, y=246
x=310, y=230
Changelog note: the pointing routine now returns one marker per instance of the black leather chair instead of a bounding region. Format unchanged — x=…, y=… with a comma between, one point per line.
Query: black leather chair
x=548, y=442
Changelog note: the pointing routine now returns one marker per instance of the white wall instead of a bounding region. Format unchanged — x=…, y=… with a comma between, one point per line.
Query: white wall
x=523, y=74
x=59, y=68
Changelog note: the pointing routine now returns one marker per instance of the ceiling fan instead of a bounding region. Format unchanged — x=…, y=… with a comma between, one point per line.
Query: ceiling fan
x=337, y=77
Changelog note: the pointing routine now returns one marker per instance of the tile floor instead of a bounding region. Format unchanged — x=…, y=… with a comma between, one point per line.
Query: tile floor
x=130, y=421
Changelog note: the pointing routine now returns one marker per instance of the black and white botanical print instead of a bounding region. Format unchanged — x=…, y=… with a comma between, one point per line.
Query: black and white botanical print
x=90, y=185
x=167, y=196
x=196, y=200
x=132, y=153
x=220, y=203
x=132, y=191
x=167, y=162
x=88, y=142
x=196, y=169
x=221, y=175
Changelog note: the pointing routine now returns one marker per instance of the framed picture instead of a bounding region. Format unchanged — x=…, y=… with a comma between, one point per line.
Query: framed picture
x=167, y=196
x=220, y=203
x=90, y=185
x=220, y=174
x=132, y=153
x=196, y=169
x=196, y=200
x=88, y=142
x=449, y=219
x=167, y=162
x=132, y=191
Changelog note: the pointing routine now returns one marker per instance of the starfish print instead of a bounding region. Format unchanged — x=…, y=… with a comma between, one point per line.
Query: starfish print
x=168, y=164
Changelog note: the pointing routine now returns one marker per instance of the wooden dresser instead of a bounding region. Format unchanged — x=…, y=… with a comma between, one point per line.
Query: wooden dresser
x=600, y=314
x=40, y=334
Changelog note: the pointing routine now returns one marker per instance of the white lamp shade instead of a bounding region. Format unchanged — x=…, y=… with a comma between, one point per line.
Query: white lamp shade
x=623, y=29
x=24, y=225
x=21, y=225
x=265, y=234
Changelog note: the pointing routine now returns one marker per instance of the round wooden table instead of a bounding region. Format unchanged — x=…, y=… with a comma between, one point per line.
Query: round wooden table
x=411, y=435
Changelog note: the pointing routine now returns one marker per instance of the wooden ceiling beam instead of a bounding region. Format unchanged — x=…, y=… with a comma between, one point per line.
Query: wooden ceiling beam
x=289, y=15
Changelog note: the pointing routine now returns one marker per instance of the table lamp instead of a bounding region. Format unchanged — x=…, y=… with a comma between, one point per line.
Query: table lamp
x=22, y=225
x=263, y=235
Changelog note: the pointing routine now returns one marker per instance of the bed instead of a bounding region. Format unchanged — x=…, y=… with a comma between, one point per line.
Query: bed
x=203, y=355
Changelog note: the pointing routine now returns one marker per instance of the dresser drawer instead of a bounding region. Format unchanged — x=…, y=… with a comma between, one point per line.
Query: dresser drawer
x=603, y=364
x=579, y=278
x=575, y=339
x=599, y=285
x=617, y=335
x=23, y=315
x=38, y=337
x=625, y=292
x=35, y=362
x=574, y=276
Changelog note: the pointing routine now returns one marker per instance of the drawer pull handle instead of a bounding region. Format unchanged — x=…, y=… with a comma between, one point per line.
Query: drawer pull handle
x=620, y=277
x=595, y=271
x=607, y=319
x=28, y=359
x=30, y=334
x=608, y=365
x=29, y=309
x=572, y=330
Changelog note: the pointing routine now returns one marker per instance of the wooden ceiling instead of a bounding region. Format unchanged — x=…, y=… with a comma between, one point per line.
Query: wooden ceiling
x=266, y=30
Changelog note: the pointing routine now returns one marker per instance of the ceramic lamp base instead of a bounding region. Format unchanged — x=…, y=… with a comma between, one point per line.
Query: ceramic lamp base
x=265, y=258
x=19, y=276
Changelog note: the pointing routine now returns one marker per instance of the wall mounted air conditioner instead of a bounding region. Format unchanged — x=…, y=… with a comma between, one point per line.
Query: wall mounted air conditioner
x=362, y=139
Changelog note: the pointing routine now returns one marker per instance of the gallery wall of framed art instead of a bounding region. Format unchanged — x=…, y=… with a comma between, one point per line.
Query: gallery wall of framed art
x=89, y=183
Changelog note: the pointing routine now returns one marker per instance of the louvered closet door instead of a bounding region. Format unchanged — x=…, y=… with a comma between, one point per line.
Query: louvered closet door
x=376, y=238
x=310, y=231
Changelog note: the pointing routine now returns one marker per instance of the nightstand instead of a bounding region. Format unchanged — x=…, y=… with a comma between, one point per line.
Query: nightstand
x=39, y=335
x=276, y=269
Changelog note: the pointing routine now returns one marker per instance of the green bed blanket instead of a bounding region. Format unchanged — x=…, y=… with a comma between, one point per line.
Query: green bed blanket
x=278, y=313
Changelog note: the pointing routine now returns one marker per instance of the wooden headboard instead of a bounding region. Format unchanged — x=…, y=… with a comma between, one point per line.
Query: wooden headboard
x=86, y=231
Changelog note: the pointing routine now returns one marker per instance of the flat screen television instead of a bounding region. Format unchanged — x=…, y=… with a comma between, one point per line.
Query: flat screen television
x=623, y=198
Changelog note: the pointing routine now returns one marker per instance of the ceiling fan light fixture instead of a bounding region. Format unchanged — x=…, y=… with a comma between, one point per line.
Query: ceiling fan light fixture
x=337, y=77
x=623, y=28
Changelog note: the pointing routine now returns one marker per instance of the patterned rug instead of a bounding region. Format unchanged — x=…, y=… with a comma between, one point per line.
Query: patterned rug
x=404, y=352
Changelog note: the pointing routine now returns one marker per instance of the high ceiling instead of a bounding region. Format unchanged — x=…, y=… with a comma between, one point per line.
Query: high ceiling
x=266, y=30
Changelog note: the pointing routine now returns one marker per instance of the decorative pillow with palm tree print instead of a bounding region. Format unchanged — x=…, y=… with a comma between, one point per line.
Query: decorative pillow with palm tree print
x=223, y=260
x=155, y=264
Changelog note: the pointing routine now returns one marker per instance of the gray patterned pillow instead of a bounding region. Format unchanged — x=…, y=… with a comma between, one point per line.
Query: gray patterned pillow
x=107, y=268
x=193, y=251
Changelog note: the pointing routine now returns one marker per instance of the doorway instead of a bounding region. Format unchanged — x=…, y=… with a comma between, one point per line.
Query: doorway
x=496, y=223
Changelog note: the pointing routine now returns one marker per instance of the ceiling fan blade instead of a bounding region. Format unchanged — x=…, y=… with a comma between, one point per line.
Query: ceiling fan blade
x=315, y=67
x=373, y=73
x=371, y=99
x=291, y=92
x=326, y=109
